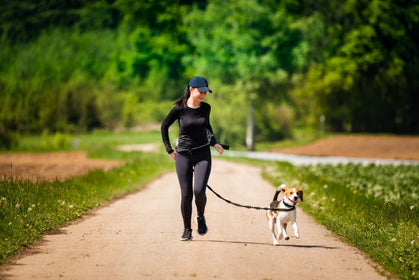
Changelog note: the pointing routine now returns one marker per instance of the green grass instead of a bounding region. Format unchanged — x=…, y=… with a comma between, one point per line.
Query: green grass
x=28, y=210
x=373, y=208
x=88, y=141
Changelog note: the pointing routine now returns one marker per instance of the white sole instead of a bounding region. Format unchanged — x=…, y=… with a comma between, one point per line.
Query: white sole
x=186, y=239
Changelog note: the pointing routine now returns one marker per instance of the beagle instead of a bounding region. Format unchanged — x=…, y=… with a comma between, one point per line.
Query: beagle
x=287, y=213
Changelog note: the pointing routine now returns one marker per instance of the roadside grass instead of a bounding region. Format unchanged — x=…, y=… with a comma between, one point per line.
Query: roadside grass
x=28, y=210
x=374, y=208
x=86, y=142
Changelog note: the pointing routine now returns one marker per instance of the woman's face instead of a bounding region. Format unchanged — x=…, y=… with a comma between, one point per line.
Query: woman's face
x=198, y=95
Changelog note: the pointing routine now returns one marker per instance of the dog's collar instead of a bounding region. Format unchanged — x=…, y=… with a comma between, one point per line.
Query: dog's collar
x=287, y=205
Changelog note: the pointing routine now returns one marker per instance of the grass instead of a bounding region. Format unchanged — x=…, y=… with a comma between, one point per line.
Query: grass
x=86, y=142
x=28, y=210
x=374, y=208
x=371, y=207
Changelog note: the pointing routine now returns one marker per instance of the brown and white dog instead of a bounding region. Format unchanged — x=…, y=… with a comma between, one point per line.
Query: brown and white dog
x=279, y=219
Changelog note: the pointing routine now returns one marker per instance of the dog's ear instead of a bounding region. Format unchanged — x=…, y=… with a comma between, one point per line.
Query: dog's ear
x=284, y=189
x=300, y=195
x=281, y=187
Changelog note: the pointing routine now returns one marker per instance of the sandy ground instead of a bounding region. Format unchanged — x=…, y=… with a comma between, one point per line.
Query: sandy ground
x=137, y=237
x=385, y=147
x=50, y=166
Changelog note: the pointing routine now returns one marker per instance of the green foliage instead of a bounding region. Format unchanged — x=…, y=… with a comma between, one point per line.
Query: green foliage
x=372, y=207
x=250, y=51
x=275, y=122
x=363, y=80
x=58, y=141
x=228, y=115
x=8, y=140
x=26, y=19
x=74, y=66
x=42, y=94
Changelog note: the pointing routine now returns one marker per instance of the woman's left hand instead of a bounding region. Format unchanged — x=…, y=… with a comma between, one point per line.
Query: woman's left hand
x=219, y=148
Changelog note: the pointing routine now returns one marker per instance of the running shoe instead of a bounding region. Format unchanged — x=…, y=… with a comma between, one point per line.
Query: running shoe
x=187, y=235
x=202, y=226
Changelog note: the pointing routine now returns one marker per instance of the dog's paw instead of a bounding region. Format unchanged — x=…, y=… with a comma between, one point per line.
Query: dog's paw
x=276, y=243
x=297, y=236
x=287, y=238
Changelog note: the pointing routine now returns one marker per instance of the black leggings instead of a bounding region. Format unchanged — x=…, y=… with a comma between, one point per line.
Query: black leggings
x=198, y=167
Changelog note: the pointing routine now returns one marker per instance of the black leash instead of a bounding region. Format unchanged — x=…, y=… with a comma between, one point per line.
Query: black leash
x=248, y=206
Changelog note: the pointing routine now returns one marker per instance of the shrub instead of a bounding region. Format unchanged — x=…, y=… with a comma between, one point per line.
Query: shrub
x=8, y=140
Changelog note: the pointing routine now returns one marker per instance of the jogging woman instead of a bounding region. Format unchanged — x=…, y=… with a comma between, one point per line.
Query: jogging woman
x=192, y=154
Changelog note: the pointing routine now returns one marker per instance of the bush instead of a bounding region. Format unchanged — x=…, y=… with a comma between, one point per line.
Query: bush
x=8, y=140
x=60, y=141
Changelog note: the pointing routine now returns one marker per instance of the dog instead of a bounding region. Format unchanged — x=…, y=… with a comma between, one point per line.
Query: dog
x=278, y=220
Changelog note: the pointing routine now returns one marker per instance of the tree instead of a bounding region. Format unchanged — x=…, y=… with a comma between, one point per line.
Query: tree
x=245, y=44
x=364, y=81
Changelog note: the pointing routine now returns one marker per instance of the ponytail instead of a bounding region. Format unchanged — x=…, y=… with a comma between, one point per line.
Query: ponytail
x=181, y=102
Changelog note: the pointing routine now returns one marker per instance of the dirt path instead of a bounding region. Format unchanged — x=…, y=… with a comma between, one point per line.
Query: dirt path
x=137, y=237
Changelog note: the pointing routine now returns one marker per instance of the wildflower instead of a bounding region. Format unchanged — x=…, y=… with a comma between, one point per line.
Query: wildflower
x=355, y=191
x=29, y=209
x=17, y=205
x=10, y=223
x=71, y=206
x=393, y=240
x=412, y=242
x=77, y=214
x=412, y=207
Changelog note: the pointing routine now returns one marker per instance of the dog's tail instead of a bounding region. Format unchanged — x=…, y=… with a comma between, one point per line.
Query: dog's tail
x=278, y=191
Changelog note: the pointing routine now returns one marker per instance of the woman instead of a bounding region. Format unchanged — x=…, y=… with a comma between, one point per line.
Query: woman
x=192, y=155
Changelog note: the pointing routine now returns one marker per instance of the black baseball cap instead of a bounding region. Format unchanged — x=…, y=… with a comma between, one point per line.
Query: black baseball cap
x=200, y=83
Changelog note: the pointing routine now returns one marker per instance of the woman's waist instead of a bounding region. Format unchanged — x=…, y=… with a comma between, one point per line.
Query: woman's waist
x=193, y=149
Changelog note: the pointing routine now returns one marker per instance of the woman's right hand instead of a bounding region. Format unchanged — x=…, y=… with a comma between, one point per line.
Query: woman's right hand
x=173, y=156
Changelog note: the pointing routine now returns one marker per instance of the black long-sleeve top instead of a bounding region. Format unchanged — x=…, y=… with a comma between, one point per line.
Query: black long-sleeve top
x=194, y=127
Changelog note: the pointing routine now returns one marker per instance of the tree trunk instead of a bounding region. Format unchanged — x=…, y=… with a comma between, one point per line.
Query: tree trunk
x=250, y=138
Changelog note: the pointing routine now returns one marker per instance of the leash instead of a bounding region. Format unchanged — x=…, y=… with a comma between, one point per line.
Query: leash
x=248, y=206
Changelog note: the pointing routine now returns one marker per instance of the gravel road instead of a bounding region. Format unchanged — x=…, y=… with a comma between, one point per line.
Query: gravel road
x=137, y=237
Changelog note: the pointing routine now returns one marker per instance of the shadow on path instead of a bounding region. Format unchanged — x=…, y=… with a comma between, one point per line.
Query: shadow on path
x=267, y=244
